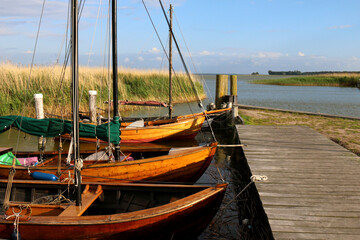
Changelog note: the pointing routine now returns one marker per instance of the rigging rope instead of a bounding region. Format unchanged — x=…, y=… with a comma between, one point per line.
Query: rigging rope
x=187, y=71
x=163, y=47
x=253, y=179
x=191, y=59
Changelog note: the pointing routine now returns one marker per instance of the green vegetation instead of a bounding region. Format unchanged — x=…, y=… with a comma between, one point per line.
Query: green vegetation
x=17, y=88
x=297, y=72
x=323, y=80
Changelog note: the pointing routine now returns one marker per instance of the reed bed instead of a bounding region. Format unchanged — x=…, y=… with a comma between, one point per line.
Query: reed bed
x=331, y=80
x=18, y=85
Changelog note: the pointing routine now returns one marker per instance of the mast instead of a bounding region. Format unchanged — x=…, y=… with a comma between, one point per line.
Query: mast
x=170, y=63
x=75, y=98
x=115, y=69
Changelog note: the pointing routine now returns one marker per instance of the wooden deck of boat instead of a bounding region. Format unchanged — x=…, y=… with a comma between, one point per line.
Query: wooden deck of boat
x=313, y=190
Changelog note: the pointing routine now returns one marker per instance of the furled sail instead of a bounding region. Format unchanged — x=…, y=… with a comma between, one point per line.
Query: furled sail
x=53, y=127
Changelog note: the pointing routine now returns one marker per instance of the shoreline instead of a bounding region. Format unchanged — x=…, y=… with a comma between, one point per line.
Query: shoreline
x=343, y=131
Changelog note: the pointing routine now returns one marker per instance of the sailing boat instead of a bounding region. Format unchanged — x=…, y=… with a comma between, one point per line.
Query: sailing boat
x=109, y=211
x=160, y=129
x=35, y=210
x=182, y=165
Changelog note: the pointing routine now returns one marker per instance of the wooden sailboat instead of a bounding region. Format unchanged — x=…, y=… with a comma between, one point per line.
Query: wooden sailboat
x=182, y=165
x=155, y=129
x=171, y=127
x=109, y=211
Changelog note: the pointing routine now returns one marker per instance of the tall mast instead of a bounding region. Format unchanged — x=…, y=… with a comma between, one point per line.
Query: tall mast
x=170, y=63
x=115, y=68
x=75, y=97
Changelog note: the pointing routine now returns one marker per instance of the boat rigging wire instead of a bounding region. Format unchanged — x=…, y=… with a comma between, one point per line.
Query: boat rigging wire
x=32, y=65
x=162, y=45
x=181, y=56
x=191, y=59
x=187, y=71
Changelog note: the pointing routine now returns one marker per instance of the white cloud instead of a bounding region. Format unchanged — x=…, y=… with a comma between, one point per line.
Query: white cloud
x=207, y=53
x=341, y=26
x=158, y=59
x=126, y=60
x=301, y=54
x=141, y=59
x=28, y=52
x=267, y=55
x=154, y=50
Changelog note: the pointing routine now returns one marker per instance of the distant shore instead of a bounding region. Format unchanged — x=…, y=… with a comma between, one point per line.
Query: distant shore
x=345, y=132
x=330, y=80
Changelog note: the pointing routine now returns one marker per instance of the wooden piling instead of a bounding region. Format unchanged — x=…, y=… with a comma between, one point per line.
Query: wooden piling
x=39, y=109
x=221, y=89
x=92, y=105
x=233, y=86
x=233, y=92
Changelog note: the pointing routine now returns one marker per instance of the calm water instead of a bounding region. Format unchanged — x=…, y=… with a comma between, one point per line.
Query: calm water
x=329, y=100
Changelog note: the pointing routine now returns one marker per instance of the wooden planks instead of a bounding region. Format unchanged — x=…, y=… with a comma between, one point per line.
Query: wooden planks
x=313, y=191
x=87, y=198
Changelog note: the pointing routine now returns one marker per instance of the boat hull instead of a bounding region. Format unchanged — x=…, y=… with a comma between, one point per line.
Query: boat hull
x=185, y=166
x=182, y=219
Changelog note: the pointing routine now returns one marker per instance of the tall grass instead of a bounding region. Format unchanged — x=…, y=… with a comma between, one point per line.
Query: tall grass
x=332, y=80
x=17, y=88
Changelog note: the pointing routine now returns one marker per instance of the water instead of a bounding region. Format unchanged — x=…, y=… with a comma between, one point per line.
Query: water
x=241, y=215
x=329, y=100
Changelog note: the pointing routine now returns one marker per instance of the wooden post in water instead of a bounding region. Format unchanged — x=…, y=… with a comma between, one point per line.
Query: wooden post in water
x=233, y=92
x=92, y=105
x=233, y=86
x=221, y=89
x=39, y=109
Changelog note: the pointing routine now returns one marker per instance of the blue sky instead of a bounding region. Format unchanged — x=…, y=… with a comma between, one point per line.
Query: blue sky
x=221, y=36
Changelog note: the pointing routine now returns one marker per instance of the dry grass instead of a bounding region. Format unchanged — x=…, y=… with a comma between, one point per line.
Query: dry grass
x=17, y=87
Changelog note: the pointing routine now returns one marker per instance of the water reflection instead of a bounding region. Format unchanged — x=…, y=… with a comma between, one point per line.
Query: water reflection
x=242, y=217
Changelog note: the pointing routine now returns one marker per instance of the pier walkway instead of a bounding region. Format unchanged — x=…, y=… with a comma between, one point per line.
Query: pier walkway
x=313, y=186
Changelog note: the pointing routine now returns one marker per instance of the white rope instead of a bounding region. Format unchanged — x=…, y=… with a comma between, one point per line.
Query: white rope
x=232, y=145
x=79, y=164
x=68, y=159
x=253, y=178
x=258, y=178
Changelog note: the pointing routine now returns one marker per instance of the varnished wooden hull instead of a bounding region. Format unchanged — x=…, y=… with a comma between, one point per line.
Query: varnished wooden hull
x=185, y=166
x=177, y=128
x=185, y=218
x=182, y=128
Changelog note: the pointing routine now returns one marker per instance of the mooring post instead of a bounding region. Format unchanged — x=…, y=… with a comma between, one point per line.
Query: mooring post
x=221, y=89
x=233, y=92
x=92, y=105
x=39, y=109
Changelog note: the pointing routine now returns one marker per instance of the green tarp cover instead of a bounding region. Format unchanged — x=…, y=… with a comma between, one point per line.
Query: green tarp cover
x=53, y=127
x=7, y=159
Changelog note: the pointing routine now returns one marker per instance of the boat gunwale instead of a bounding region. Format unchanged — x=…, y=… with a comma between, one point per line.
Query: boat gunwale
x=166, y=209
x=124, y=163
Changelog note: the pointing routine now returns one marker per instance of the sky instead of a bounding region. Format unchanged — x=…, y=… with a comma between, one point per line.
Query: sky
x=215, y=36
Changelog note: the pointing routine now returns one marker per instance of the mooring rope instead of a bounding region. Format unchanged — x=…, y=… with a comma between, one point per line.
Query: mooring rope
x=253, y=178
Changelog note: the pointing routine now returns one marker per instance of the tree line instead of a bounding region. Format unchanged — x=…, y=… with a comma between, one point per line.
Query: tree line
x=296, y=72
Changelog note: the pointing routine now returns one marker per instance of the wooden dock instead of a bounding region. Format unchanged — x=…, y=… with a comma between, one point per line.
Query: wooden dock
x=313, y=190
